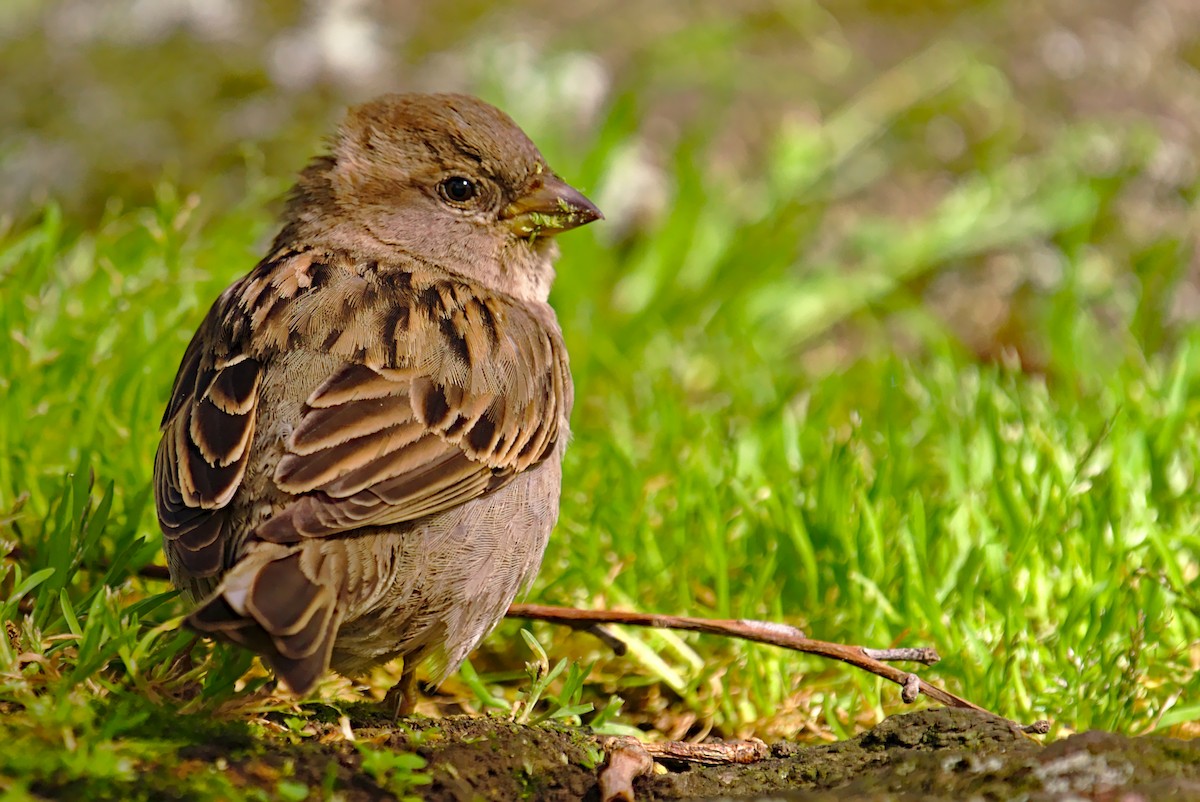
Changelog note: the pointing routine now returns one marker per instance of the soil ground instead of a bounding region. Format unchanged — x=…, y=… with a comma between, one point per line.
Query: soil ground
x=931, y=754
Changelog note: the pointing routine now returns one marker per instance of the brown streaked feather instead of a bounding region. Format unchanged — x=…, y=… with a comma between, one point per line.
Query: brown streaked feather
x=402, y=493
x=221, y=437
x=477, y=483
x=326, y=427
x=438, y=486
x=207, y=431
x=317, y=470
x=297, y=649
x=184, y=388
x=204, y=483
x=235, y=386
x=198, y=541
x=273, y=606
x=384, y=467
x=197, y=534
x=480, y=419
x=352, y=383
x=419, y=418
x=285, y=601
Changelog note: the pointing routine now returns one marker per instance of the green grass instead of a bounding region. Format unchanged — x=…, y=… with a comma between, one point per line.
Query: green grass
x=775, y=418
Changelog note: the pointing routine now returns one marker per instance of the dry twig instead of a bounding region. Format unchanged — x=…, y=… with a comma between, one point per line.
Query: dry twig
x=774, y=634
x=627, y=760
x=710, y=753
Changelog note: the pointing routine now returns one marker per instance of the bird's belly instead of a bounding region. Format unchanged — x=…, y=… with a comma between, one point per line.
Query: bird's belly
x=442, y=583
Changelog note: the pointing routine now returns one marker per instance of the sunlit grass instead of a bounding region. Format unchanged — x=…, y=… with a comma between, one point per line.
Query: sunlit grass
x=771, y=422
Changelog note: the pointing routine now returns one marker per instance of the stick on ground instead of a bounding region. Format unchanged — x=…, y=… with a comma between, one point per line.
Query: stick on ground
x=781, y=635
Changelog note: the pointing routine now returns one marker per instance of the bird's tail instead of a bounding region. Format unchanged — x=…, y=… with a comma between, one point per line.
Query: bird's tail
x=269, y=603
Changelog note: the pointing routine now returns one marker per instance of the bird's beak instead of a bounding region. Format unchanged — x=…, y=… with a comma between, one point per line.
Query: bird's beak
x=549, y=206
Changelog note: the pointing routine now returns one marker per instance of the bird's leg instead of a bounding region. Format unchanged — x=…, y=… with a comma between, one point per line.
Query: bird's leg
x=401, y=699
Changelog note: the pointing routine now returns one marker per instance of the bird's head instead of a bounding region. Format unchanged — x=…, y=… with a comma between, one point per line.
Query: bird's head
x=446, y=179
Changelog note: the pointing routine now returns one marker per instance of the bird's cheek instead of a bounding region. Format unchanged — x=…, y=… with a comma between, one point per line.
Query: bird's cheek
x=401, y=225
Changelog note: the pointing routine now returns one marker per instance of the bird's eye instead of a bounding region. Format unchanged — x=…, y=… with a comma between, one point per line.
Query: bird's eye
x=457, y=189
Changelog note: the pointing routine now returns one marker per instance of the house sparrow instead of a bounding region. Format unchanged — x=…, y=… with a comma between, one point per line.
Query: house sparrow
x=361, y=457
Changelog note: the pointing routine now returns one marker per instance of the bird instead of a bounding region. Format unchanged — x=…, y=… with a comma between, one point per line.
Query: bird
x=361, y=457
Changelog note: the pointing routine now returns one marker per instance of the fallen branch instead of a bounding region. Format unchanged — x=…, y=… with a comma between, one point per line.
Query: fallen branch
x=710, y=753
x=629, y=758
x=774, y=634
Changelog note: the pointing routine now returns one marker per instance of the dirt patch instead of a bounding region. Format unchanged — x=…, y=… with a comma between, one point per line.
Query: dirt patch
x=952, y=754
x=932, y=754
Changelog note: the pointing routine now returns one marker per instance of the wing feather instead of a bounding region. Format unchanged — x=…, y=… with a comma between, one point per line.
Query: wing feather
x=444, y=392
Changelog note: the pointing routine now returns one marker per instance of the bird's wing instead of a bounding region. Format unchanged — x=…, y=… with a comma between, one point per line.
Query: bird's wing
x=207, y=431
x=442, y=393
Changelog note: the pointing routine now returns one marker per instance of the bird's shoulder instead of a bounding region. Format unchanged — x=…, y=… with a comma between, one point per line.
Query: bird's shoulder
x=394, y=313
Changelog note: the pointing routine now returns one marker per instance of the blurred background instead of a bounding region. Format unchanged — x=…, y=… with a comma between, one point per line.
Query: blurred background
x=106, y=99
x=888, y=331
